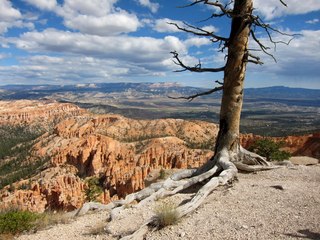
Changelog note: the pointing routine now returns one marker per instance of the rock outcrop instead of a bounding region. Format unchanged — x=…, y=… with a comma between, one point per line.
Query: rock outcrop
x=117, y=152
x=36, y=112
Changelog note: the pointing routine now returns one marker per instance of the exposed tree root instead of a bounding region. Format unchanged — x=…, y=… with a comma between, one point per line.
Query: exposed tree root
x=219, y=171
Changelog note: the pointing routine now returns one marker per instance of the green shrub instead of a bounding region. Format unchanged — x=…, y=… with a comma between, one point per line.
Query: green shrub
x=94, y=189
x=15, y=170
x=165, y=215
x=208, y=144
x=270, y=149
x=15, y=146
x=162, y=174
x=16, y=221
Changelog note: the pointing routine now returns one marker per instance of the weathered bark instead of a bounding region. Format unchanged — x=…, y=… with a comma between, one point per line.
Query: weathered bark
x=234, y=75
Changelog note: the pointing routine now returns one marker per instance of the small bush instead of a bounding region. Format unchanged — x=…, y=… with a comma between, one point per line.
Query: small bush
x=166, y=214
x=94, y=189
x=162, y=174
x=16, y=221
x=270, y=149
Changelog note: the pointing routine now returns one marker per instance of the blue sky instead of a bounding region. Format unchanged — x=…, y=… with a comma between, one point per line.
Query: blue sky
x=77, y=41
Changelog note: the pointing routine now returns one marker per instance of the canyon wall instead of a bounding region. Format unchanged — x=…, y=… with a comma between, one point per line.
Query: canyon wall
x=118, y=152
x=32, y=112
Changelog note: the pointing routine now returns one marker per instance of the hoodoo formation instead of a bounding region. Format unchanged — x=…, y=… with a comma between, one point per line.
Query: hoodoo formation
x=116, y=153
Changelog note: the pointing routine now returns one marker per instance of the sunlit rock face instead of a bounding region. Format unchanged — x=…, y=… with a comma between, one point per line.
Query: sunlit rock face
x=120, y=153
x=36, y=112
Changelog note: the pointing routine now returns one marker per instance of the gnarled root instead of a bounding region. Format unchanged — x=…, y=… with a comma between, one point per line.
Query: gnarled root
x=219, y=171
x=252, y=162
x=227, y=172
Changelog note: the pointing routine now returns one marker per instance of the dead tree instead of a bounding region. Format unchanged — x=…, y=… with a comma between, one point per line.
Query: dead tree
x=229, y=156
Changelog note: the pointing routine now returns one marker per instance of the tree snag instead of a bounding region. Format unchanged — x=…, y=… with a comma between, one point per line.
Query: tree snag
x=229, y=156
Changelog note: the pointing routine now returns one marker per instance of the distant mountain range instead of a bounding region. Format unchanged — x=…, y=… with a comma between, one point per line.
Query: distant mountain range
x=274, y=111
x=40, y=91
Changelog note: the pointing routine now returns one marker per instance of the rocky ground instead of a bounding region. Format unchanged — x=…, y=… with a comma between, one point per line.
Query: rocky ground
x=278, y=204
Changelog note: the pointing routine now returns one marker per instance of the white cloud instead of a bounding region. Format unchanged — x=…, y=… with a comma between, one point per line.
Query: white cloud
x=111, y=24
x=66, y=70
x=9, y=16
x=298, y=59
x=197, y=41
x=210, y=28
x=273, y=8
x=313, y=21
x=8, y=13
x=136, y=51
x=4, y=26
x=163, y=25
x=152, y=6
x=97, y=17
x=43, y=4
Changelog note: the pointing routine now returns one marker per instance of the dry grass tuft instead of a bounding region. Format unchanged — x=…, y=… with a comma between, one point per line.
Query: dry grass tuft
x=165, y=214
x=48, y=219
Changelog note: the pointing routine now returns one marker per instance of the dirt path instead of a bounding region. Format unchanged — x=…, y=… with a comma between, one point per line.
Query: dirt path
x=278, y=204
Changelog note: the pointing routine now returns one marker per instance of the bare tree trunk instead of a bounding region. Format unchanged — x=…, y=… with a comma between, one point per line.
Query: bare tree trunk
x=229, y=155
x=234, y=74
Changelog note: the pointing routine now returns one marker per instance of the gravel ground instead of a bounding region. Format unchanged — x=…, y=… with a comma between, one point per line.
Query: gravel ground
x=279, y=204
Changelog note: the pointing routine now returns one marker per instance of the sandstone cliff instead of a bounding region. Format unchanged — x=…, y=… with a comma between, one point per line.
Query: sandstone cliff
x=118, y=152
x=34, y=112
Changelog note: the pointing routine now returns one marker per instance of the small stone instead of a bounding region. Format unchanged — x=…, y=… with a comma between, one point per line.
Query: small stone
x=182, y=234
x=245, y=226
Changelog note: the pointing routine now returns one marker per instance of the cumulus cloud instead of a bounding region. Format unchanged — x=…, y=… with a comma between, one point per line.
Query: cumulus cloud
x=197, y=41
x=152, y=6
x=210, y=28
x=97, y=17
x=43, y=4
x=298, y=59
x=273, y=8
x=69, y=69
x=162, y=25
x=132, y=48
x=131, y=56
x=11, y=17
x=8, y=13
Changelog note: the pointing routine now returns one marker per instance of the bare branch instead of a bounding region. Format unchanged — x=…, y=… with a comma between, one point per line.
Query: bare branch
x=200, y=32
x=283, y=3
x=190, y=98
x=222, y=7
x=221, y=83
x=262, y=47
x=217, y=4
x=196, y=68
x=255, y=59
x=258, y=22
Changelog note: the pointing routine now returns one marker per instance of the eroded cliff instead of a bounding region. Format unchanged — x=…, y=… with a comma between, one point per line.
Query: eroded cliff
x=106, y=157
